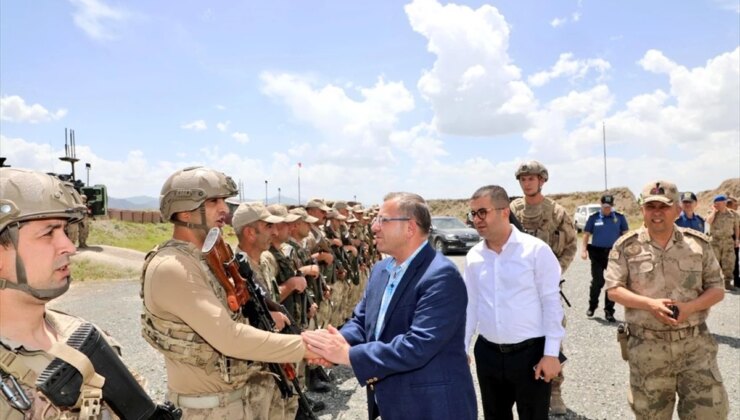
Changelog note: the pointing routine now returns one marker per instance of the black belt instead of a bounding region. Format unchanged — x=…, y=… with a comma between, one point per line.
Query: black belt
x=510, y=348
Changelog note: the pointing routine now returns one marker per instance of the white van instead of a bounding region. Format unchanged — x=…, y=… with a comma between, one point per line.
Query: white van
x=582, y=213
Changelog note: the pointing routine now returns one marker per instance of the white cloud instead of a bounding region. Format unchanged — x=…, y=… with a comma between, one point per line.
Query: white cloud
x=97, y=19
x=221, y=107
x=473, y=87
x=14, y=109
x=197, y=125
x=242, y=138
x=654, y=61
x=355, y=131
x=566, y=66
x=558, y=22
x=731, y=5
x=223, y=126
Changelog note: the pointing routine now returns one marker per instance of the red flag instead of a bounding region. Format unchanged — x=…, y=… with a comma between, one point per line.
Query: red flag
x=299, y=165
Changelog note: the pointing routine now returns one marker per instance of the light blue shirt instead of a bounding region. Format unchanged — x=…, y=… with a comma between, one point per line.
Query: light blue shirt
x=396, y=274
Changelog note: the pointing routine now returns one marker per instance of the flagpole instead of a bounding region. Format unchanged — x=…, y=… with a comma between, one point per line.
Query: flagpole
x=299, y=183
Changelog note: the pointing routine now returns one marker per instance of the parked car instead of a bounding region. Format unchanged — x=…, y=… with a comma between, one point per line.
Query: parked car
x=582, y=213
x=451, y=234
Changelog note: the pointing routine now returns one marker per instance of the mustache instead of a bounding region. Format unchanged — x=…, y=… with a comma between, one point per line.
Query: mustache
x=61, y=262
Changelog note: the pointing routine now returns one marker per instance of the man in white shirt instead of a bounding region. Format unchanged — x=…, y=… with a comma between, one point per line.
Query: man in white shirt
x=513, y=301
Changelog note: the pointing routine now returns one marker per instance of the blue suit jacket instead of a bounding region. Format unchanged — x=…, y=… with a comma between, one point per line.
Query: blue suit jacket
x=417, y=368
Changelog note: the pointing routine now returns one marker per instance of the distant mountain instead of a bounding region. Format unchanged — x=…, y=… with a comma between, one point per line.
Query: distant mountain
x=134, y=203
x=143, y=202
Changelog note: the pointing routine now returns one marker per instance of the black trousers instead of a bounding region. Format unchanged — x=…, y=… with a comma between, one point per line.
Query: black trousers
x=508, y=378
x=599, y=259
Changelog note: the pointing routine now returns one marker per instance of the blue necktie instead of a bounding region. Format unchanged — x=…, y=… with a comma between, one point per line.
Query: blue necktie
x=387, y=295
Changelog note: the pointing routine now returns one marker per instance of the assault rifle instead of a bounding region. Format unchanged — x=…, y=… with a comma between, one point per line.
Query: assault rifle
x=252, y=303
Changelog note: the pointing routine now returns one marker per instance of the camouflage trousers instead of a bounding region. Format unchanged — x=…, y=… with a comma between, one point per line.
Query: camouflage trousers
x=725, y=253
x=660, y=369
x=339, y=292
x=260, y=399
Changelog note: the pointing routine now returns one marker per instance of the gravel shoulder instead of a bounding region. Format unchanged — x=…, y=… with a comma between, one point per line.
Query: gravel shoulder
x=596, y=377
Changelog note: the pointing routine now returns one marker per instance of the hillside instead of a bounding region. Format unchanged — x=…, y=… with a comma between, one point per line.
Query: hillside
x=625, y=200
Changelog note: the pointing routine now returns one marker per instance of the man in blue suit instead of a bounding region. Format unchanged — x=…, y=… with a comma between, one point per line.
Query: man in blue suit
x=405, y=340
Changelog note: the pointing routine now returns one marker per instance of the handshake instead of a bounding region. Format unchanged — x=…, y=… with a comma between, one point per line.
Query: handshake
x=326, y=347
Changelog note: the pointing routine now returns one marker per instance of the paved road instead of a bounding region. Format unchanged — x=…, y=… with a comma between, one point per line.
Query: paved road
x=596, y=377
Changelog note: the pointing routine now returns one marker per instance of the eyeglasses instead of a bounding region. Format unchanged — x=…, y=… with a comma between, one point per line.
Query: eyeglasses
x=482, y=212
x=381, y=220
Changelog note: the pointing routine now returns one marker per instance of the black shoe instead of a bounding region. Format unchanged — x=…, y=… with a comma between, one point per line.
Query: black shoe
x=610, y=317
x=316, y=405
x=590, y=313
x=315, y=384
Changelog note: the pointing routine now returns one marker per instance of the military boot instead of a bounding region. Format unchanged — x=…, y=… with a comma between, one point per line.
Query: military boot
x=557, y=405
x=315, y=384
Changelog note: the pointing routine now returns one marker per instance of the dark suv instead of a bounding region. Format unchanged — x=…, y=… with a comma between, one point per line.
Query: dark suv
x=451, y=234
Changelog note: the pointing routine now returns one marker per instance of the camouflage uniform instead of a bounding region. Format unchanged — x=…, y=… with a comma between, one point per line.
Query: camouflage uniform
x=211, y=354
x=26, y=366
x=666, y=360
x=550, y=222
x=84, y=225
x=721, y=231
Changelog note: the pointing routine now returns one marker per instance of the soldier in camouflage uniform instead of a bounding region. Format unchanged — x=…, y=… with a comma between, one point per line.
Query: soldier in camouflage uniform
x=35, y=256
x=732, y=205
x=724, y=228
x=299, y=254
x=211, y=353
x=544, y=218
x=667, y=278
x=342, y=284
x=321, y=252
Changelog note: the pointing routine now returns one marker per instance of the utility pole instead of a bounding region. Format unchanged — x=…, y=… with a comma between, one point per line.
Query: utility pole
x=278, y=195
x=603, y=126
x=265, y=192
x=299, y=183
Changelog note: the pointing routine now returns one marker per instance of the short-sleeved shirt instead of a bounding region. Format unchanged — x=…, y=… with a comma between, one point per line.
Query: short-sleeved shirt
x=696, y=222
x=605, y=230
x=682, y=272
x=723, y=226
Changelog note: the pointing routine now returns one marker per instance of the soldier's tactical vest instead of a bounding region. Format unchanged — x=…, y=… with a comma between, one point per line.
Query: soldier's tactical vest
x=542, y=222
x=287, y=269
x=177, y=340
x=301, y=256
x=26, y=366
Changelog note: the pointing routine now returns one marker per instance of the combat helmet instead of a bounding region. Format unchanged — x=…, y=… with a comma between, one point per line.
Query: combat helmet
x=532, y=167
x=28, y=195
x=187, y=190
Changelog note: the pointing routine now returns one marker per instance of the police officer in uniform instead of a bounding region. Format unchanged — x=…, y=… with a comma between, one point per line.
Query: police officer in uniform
x=667, y=278
x=542, y=217
x=35, y=262
x=604, y=227
x=687, y=218
x=208, y=349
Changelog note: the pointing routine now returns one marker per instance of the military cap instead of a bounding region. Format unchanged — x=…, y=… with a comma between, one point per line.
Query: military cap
x=688, y=196
x=281, y=211
x=334, y=214
x=301, y=212
x=340, y=205
x=317, y=203
x=248, y=213
x=720, y=197
x=663, y=191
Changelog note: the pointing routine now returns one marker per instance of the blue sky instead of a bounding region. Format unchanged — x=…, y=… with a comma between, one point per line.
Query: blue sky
x=375, y=96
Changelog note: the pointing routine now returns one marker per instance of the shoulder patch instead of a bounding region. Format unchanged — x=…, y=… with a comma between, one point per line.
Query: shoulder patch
x=627, y=236
x=694, y=233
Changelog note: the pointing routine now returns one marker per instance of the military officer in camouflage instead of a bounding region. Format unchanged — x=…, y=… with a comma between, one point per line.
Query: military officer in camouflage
x=667, y=278
x=544, y=218
x=85, y=223
x=724, y=228
x=209, y=351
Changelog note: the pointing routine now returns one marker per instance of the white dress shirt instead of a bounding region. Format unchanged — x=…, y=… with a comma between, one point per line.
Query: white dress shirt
x=515, y=295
